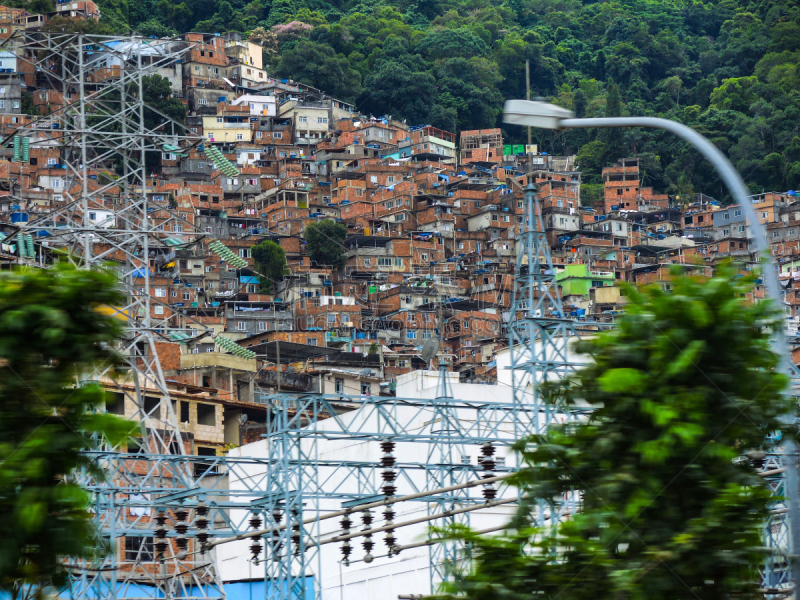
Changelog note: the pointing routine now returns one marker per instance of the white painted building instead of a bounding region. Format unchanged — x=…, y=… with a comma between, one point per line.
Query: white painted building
x=408, y=573
x=262, y=106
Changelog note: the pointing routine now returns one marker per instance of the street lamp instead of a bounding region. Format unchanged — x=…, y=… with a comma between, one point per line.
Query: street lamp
x=550, y=116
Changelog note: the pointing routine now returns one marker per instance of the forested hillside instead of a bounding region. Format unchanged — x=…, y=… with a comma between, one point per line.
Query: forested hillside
x=729, y=68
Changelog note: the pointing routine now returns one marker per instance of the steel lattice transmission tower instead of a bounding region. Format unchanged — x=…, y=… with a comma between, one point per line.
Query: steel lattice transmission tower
x=106, y=215
x=540, y=333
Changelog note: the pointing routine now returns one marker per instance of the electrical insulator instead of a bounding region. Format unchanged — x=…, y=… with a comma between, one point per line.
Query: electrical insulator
x=202, y=537
x=346, y=523
x=181, y=527
x=182, y=543
x=160, y=548
x=489, y=493
x=255, y=550
x=201, y=510
x=366, y=518
x=488, y=465
x=346, y=550
x=277, y=516
x=388, y=462
x=181, y=514
x=390, y=540
x=160, y=533
x=161, y=519
x=255, y=520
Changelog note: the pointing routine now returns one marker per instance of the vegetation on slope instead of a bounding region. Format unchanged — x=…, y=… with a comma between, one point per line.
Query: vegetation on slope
x=728, y=68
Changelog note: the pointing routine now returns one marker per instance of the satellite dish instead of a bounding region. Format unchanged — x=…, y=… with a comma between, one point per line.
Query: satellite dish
x=429, y=349
x=243, y=419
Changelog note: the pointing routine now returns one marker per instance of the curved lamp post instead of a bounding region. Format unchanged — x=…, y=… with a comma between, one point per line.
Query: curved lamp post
x=549, y=116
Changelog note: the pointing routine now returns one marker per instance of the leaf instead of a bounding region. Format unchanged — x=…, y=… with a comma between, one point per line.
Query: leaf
x=623, y=381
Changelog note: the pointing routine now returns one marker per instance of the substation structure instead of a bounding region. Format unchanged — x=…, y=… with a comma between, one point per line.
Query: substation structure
x=165, y=517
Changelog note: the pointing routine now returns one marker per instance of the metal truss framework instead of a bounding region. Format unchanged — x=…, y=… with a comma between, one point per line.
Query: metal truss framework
x=107, y=217
x=104, y=142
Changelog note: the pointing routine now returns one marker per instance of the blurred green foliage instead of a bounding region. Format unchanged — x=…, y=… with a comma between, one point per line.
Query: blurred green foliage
x=51, y=338
x=683, y=388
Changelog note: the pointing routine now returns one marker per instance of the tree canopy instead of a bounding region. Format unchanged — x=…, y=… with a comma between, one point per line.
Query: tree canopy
x=270, y=259
x=685, y=393
x=51, y=335
x=324, y=242
x=728, y=68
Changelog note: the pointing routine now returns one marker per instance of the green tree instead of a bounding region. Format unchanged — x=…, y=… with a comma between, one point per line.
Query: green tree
x=324, y=242
x=317, y=65
x=684, y=391
x=157, y=93
x=392, y=89
x=270, y=259
x=51, y=336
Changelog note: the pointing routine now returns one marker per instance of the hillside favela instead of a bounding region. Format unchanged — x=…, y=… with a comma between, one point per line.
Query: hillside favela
x=399, y=299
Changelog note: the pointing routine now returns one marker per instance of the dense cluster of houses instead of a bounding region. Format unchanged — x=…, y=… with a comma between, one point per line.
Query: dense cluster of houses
x=433, y=220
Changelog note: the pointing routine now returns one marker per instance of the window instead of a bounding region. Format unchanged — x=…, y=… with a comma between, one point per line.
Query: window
x=411, y=335
x=302, y=119
x=322, y=120
x=206, y=414
x=339, y=385
x=259, y=134
x=398, y=262
x=51, y=161
x=177, y=228
x=384, y=262
x=494, y=217
x=332, y=318
x=425, y=255
x=741, y=228
x=365, y=389
x=202, y=101
x=277, y=135
x=737, y=212
x=239, y=137
x=262, y=325
x=56, y=183
x=139, y=549
x=726, y=232
x=311, y=341
x=187, y=295
x=506, y=218
x=219, y=119
x=241, y=326
x=368, y=261
x=244, y=252
x=161, y=292
x=726, y=216
x=159, y=310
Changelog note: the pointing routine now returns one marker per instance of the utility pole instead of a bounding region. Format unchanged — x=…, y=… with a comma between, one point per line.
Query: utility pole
x=528, y=92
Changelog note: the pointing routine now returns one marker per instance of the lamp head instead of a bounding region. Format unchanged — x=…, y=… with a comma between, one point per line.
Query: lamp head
x=535, y=114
